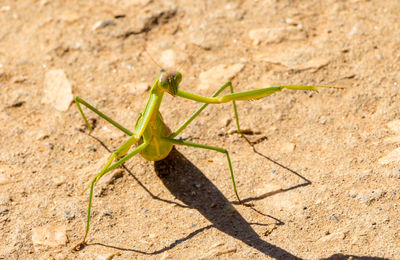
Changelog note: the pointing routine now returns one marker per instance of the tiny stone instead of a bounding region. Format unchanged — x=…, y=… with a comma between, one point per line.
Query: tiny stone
x=276, y=35
x=183, y=136
x=144, y=210
x=169, y=58
x=69, y=215
x=304, y=207
x=108, y=256
x=4, y=179
x=5, y=8
x=232, y=130
x=57, y=90
x=272, y=172
x=3, y=211
x=288, y=147
x=228, y=121
x=218, y=75
x=227, y=251
x=111, y=177
x=333, y=218
x=102, y=24
x=5, y=199
x=59, y=181
x=19, y=79
x=50, y=235
x=314, y=63
x=106, y=213
x=394, y=125
x=393, y=156
x=137, y=88
x=50, y=145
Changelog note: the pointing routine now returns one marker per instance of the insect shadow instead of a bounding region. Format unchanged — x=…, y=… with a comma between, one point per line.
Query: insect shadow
x=190, y=186
x=271, y=193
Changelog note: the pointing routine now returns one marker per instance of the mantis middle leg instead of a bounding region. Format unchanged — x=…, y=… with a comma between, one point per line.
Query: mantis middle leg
x=79, y=101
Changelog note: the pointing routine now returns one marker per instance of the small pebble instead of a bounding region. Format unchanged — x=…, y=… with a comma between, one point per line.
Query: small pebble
x=92, y=149
x=108, y=256
x=4, y=211
x=50, y=235
x=218, y=75
x=57, y=90
x=314, y=63
x=5, y=199
x=4, y=179
x=276, y=35
x=393, y=156
x=5, y=8
x=59, y=180
x=111, y=177
x=106, y=213
x=137, y=88
x=333, y=218
x=144, y=210
x=288, y=147
x=102, y=24
x=69, y=215
x=170, y=59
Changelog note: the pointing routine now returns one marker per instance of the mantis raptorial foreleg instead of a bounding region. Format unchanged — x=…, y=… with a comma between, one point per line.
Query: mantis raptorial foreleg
x=198, y=111
x=247, y=95
x=79, y=101
x=209, y=147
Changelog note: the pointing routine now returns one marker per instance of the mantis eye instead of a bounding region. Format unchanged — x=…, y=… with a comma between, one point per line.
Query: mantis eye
x=178, y=78
x=170, y=81
x=163, y=82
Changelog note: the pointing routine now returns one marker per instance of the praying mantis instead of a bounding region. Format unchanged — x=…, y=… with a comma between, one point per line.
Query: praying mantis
x=153, y=137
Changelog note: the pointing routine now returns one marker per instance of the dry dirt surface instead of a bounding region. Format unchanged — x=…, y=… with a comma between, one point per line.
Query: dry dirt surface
x=323, y=174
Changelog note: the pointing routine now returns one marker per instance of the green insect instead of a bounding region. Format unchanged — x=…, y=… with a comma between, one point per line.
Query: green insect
x=154, y=138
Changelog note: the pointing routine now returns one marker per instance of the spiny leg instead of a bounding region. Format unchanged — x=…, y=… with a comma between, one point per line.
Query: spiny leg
x=209, y=147
x=105, y=170
x=246, y=95
x=79, y=101
x=198, y=111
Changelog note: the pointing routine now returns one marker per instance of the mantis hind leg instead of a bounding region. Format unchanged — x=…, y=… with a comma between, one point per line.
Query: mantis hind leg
x=79, y=101
x=200, y=109
x=108, y=167
x=214, y=148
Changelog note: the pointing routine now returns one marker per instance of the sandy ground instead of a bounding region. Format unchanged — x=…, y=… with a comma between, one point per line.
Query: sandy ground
x=324, y=175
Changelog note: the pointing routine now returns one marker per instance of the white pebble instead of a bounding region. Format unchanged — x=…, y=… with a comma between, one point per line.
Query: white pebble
x=137, y=88
x=50, y=235
x=276, y=35
x=394, y=125
x=393, y=156
x=4, y=179
x=57, y=90
x=218, y=75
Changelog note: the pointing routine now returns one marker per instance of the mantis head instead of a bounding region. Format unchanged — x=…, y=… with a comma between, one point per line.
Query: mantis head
x=169, y=82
